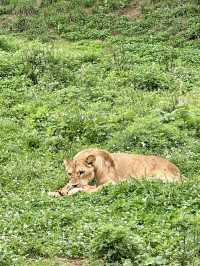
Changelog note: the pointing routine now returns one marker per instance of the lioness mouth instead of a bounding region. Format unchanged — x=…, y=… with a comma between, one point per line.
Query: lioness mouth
x=74, y=185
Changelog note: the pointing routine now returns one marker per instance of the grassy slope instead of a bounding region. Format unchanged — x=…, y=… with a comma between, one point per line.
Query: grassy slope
x=96, y=78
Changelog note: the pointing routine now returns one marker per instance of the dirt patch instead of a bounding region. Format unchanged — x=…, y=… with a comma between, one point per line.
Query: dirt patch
x=132, y=11
x=88, y=11
x=7, y=19
x=77, y=262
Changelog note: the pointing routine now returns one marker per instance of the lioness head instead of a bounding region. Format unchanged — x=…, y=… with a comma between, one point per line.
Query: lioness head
x=80, y=172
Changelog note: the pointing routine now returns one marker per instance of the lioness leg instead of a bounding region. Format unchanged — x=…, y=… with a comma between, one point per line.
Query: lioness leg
x=92, y=189
x=86, y=188
x=61, y=192
x=69, y=190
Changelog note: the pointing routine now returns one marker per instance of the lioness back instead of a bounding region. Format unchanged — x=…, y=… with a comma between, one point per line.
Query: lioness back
x=144, y=166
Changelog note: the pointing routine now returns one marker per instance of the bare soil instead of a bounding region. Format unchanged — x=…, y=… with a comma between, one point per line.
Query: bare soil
x=133, y=11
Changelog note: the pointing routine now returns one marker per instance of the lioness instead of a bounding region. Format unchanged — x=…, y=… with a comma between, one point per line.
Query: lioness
x=107, y=167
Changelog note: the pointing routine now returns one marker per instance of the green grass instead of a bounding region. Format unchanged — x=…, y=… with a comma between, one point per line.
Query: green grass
x=77, y=74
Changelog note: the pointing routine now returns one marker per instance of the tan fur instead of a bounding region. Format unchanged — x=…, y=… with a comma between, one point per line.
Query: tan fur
x=113, y=168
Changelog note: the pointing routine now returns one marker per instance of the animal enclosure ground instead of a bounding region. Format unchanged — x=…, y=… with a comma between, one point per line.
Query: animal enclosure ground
x=71, y=79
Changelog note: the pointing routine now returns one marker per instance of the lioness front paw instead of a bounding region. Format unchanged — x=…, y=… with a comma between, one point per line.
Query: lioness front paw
x=54, y=194
x=75, y=190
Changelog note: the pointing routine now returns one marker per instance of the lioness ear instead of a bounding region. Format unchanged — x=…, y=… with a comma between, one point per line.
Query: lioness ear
x=91, y=160
x=67, y=163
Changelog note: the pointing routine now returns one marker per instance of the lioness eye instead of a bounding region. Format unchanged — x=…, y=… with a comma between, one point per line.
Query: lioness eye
x=82, y=172
x=69, y=173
